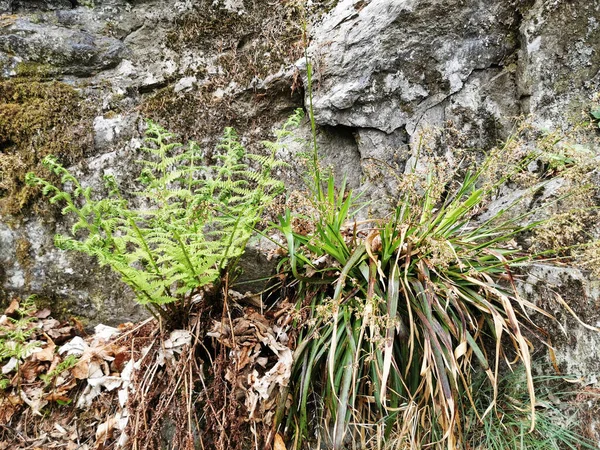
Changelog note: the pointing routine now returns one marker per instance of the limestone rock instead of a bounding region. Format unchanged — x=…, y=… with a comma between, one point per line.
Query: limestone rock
x=383, y=64
x=559, y=60
x=61, y=50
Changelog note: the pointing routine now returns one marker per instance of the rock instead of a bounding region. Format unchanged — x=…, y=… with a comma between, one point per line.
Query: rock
x=575, y=344
x=185, y=84
x=9, y=6
x=385, y=72
x=60, y=50
x=559, y=60
x=383, y=64
x=71, y=283
x=108, y=130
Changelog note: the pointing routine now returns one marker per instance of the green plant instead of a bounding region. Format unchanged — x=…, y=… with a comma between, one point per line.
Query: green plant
x=595, y=113
x=68, y=363
x=14, y=339
x=397, y=314
x=507, y=426
x=195, y=224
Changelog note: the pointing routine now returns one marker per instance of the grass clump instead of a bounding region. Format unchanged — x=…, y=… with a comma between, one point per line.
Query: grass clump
x=396, y=315
x=507, y=426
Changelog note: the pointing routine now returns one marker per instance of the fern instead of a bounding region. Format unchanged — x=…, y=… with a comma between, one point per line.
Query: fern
x=15, y=339
x=196, y=226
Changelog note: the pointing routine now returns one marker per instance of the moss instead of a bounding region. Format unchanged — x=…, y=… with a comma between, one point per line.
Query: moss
x=200, y=116
x=34, y=70
x=192, y=115
x=22, y=250
x=251, y=45
x=37, y=118
x=110, y=114
x=60, y=307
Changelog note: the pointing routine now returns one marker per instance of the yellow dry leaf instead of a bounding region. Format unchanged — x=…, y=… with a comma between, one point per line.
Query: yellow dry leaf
x=14, y=305
x=104, y=430
x=278, y=444
x=81, y=370
x=46, y=354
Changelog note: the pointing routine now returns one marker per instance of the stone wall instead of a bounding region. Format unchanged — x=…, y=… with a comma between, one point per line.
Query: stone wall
x=384, y=72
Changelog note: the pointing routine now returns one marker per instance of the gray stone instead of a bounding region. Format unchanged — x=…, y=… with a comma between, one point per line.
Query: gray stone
x=384, y=64
x=63, y=50
x=109, y=131
x=575, y=339
x=9, y=6
x=185, y=84
x=71, y=282
x=559, y=60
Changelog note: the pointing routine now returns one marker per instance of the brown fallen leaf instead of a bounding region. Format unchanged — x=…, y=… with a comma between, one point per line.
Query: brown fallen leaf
x=49, y=324
x=78, y=325
x=46, y=354
x=81, y=370
x=61, y=334
x=6, y=411
x=30, y=370
x=105, y=429
x=122, y=355
x=14, y=305
x=278, y=444
x=57, y=397
x=43, y=313
x=55, y=362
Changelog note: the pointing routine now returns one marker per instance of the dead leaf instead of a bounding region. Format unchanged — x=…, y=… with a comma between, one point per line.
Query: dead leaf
x=33, y=398
x=56, y=396
x=46, y=354
x=14, y=305
x=104, y=332
x=30, y=370
x=55, y=362
x=43, y=313
x=78, y=325
x=61, y=334
x=75, y=346
x=8, y=406
x=49, y=324
x=278, y=444
x=122, y=355
x=105, y=429
x=10, y=365
x=80, y=370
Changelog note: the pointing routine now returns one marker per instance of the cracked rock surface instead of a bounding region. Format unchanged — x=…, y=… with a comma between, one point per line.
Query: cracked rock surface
x=384, y=72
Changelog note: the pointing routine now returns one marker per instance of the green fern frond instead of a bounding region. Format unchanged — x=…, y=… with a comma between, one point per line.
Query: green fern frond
x=198, y=221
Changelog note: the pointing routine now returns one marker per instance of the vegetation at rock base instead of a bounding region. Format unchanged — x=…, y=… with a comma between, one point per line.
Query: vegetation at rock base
x=397, y=314
x=393, y=331
x=196, y=224
x=507, y=426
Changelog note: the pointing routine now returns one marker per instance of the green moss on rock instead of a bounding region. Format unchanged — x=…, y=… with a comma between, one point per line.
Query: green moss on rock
x=34, y=70
x=37, y=118
x=251, y=45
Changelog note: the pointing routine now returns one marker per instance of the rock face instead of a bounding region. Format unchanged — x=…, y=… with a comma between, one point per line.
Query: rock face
x=391, y=70
x=384, y=64
x=76, y=79
x=67, y=51
x=559, y=69
x=384, y=72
